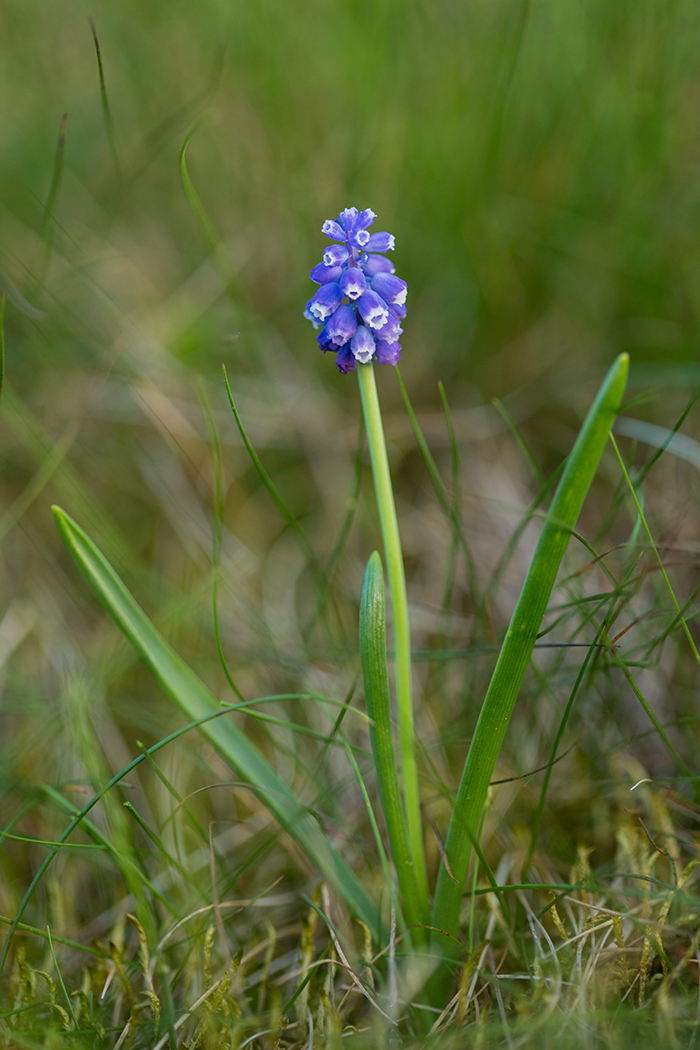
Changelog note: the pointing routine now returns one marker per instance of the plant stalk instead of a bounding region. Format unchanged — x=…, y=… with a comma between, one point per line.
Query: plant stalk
x=402, y=633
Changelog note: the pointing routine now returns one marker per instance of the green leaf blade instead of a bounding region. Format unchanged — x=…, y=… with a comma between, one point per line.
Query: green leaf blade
x=195, y=700
x=376, y=682
x=518, y=645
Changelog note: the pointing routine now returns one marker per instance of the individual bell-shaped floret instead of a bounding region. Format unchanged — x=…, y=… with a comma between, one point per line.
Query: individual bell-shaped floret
x=380, y=242
x=392, y=289
x=345, y=360
x=390, y=330
x=363, y=345
x=373, y=309
x=336, y=255
x=342, y=326
x=353, y=283
x=323, y=274
x=333, y=230
x=325, y=302
x=387, y=353
x=374, y=264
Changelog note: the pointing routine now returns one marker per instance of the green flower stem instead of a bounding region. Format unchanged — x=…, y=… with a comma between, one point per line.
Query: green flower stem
x=402, y=633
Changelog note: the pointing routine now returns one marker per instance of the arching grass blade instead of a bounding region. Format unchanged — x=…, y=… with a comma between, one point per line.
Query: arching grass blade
x=193, y=697
x=518, y=645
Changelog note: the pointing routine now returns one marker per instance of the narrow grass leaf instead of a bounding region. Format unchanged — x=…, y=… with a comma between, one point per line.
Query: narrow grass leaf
x=106, y=112
x=438, y=484
x=376, y=682
x=381, y=852
x=80, y=815
x=640, y=512
x=269, y=484
x=339, y=545
x=643, y=471
x=553, y=756
x=519, y=643
x=192, y=696
x=520, y=441
x=233, y=287
x=48, y=226
x=218, y=528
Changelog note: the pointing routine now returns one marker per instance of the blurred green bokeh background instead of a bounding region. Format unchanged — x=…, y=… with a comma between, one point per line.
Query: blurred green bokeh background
x=539, y=164
x=537, y=161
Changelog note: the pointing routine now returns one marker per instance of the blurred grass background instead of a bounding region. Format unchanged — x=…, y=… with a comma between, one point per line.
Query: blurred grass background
x=538, y=163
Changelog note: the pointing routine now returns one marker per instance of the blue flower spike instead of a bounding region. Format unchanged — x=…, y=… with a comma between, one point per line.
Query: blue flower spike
x=360, y=302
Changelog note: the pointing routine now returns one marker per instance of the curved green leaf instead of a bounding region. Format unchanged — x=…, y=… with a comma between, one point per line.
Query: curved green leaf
x=195, y=700
x=376, y=682
x=518, y=645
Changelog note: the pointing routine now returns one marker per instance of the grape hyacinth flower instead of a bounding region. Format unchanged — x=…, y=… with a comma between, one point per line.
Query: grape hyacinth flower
x=360, y=301
x=358, y=307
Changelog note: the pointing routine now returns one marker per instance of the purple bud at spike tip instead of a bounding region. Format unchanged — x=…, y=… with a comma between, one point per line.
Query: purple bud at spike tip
x=365, y=218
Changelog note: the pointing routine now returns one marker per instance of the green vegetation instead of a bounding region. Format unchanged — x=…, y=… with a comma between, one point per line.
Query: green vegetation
x=218, y=871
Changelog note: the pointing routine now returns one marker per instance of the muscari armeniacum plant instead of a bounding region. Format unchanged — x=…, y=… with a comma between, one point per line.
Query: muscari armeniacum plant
x=358, y=308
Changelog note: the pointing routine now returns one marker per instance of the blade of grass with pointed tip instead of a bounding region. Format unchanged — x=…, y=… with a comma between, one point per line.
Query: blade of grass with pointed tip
x=339, y=545
x=376, y=681
x=456, y=506
x=520, y=441
x=640, y=512
x=192, y=696
x=206, y=226
x=106, y=112
x=439, y=486
x=517, y=648
x=269, y=484
x=233, y=287
x=218, y=522
x=47, y=226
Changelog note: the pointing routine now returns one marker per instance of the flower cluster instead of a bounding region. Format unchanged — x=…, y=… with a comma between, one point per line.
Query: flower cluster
x=360, y=303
